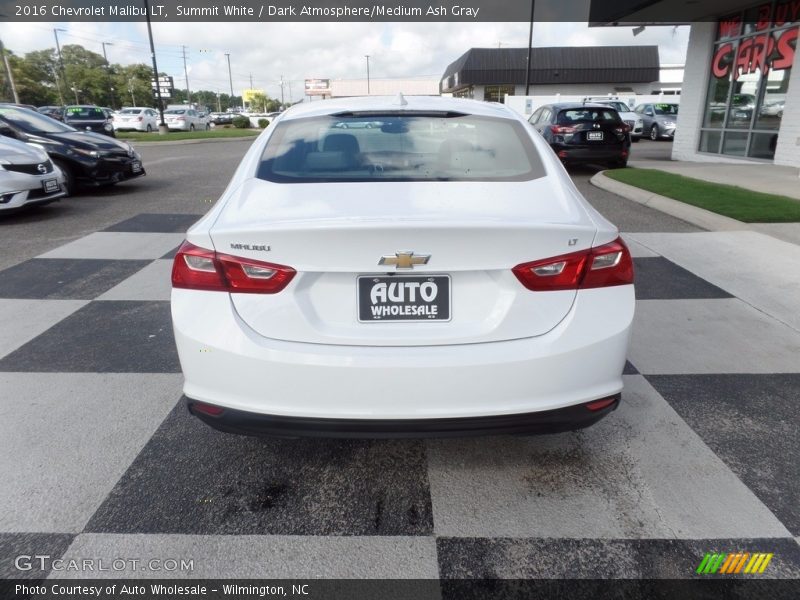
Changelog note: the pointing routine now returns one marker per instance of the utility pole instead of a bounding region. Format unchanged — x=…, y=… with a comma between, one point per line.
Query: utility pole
x=281, y=92
x=108, y=72
x=130, y=89
x=9, y=75
x=162, y=127
x=530, y=46
x=367, y=57
x=230, y=78
x=186, y=74
x=60, y=64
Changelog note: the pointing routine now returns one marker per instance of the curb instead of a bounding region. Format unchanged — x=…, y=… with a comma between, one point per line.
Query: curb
x=692, y=214
x=139, y=144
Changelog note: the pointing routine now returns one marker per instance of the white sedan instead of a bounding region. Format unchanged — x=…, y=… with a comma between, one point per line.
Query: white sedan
x=437, y=274
x=136, y=118
x=185, y=119
x=27, y=176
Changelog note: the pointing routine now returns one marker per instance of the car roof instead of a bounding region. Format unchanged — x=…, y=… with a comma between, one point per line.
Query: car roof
x=568, y=105
x=395, y=103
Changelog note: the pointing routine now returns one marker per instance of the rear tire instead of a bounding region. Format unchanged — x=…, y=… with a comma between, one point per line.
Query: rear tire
x=191, y=127
x=635, y=139
x=149, y=128
x=69, y=176
x=654, y=133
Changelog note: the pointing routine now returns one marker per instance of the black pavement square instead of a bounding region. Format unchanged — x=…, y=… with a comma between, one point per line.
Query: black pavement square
x=192, y=479
x=103, y=337
x=156, y=223
x=18, y=552
x=660, y=279
x=65, y=278
x=630, y=369
x=750, y=422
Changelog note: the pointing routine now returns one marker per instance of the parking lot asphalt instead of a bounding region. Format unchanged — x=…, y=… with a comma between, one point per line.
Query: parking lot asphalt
x=101, y=460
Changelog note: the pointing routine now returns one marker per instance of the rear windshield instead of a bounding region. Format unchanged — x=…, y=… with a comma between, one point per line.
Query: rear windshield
x=399, y=147
x=577, y=116
x=130, y=111
x=666, y=109
x=174, y=111
x=84, y=112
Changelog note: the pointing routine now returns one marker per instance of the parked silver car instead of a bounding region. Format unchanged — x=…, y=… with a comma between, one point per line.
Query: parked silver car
x=659, y=119
x=27, y=176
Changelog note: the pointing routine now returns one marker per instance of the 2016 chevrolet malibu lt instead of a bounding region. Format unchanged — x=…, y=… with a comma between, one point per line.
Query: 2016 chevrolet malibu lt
x=435, y=274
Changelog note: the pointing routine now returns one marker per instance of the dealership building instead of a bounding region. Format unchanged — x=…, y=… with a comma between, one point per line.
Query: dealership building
x=491, y=74
x=740, y=97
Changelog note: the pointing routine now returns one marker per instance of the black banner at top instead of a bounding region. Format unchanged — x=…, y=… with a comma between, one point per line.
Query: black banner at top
x=598, y=12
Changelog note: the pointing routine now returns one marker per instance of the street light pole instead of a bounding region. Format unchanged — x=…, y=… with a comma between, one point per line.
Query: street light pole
x=530, y=46
x=60, y=65
x=186, y=74
x=367, y=57
x=230, y=78
x=9, y=74
x=108, y=71
x=162, y=127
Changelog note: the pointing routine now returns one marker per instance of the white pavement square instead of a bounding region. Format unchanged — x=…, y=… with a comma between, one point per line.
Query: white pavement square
x=23, y=320
x=759, y=269
x=722, y=335
x=262, y=556
x=116, y=245
x=642, y=472
x=68, y=438
x=151, y=283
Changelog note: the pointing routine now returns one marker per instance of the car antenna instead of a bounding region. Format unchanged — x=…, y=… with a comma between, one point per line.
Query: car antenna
x=400, y=100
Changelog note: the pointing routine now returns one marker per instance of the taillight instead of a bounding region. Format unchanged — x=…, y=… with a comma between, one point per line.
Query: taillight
x=624, y=128
x=606, y=265
x=196, y=268
x=140, y=118
x=561, y=129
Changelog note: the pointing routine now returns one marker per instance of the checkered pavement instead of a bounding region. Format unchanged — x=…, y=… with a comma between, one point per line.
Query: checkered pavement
x=100, y=458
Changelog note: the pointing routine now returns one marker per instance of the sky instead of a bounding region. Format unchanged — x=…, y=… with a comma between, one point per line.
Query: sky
x=296, y=51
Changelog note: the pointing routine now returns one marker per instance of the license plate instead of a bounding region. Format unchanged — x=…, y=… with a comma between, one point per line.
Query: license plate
x=594, y=135
x=50, y=185
x=422, y=298
x=136, y=166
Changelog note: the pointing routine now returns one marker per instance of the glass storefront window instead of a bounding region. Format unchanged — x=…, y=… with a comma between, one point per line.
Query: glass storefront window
x=709, y=141
x=496, y=93
x=734, y=143
x=749, y=76
x=762, y=145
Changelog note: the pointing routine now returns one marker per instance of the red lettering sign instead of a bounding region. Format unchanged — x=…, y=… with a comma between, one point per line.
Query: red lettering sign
x=787, y=12
x=787, y=44
x=730, y=27
x=721, y=65
x=764, y=17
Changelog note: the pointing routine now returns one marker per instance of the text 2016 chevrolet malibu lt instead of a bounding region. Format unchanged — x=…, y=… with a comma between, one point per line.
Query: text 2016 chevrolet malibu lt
x=433, y=274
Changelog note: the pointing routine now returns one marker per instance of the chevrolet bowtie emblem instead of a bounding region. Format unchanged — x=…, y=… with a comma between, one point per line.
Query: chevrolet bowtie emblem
x=404, y=259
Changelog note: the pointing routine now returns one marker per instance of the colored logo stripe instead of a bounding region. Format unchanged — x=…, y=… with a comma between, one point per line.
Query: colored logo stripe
x=734, y=563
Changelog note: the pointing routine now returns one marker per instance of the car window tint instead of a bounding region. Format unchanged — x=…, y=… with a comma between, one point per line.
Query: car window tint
x=666, y=109
x=84, y=112
x=399, y=147
x=587, y=115
x=32, y=121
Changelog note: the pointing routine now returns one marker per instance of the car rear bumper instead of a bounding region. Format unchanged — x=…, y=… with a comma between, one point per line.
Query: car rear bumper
x=546, y=421
x=589, y=153
x=227, y=364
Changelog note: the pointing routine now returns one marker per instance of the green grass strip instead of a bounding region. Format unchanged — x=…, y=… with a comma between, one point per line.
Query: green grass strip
x=139, y=136
x=735, y=202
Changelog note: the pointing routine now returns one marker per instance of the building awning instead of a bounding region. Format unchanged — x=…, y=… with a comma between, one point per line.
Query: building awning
x=585, y=64
x=661, y=12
